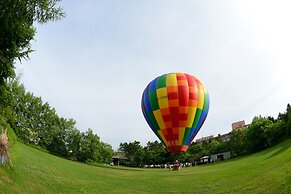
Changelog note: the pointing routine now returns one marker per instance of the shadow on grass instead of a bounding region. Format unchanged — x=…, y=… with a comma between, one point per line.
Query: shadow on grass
x=116, y=167
x=283, y=147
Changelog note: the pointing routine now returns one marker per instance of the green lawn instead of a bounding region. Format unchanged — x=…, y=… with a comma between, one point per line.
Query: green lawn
x=38, y=172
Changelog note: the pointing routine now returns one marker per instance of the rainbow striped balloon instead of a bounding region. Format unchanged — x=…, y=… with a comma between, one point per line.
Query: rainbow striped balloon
x=175, y=106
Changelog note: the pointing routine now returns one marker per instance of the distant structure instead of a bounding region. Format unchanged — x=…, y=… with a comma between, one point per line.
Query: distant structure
x=220, y=156
x=200, y=140
x=118, y=159
x=204, y=160
x=224, y=137
x=238, y=124
x=214, y=158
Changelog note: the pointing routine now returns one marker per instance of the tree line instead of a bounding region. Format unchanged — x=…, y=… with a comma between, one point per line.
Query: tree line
x=24, y=116
x=30, y=120
x=37, y=123
x=263, y=132
x=34, y=122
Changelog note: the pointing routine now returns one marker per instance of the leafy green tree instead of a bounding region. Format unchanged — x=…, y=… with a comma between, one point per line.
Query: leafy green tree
x=275, y=132
x=214, y=147
x=89, y=150
x=206, y=148
x=286, y=119
x=37, y=123
x=61, y=137
x=73, y=144
x=154, y=153
x=106, y=152
x=16, y=20
x=33, y=121
x=256, y=136
x=288, y=124
x=238, y=141
x=7, y=117
x=134, y=152
x=196, y=151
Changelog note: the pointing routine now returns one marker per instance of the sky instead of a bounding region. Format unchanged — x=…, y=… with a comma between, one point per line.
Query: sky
x=94, y=64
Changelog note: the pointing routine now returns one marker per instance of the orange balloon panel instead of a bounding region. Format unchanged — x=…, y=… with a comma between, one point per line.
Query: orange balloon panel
x=175, y=106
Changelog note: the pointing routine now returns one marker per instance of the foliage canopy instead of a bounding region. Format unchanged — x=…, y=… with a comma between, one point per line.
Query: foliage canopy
x=16, y=20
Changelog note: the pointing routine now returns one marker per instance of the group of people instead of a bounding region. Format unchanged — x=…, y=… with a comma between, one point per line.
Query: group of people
x=175, y=166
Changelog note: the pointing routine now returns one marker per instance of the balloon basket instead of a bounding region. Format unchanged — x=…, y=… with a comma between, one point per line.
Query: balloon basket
x=176, y=168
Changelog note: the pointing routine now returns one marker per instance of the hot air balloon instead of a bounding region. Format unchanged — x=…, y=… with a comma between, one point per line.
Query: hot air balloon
x=175, y=106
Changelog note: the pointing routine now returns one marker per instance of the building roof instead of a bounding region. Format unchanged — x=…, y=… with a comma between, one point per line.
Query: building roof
x=120, y=157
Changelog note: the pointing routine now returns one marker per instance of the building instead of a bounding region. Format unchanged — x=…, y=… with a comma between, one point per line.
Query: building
x=220, y=156
x=204, y=160
x=225, y=137
x=200, y=140
x=238, y=124
x=118, y=159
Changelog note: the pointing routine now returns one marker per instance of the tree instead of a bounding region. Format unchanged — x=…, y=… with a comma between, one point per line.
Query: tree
x=256, y=136
x=37, y=123
x=61, y=137
x=196, y=151
x=238, y=141
x=106, y=152
x=214, y=147
x=134, y=152
x=288, y=124
x=16, y=20
x=154, y=153
x=286, y=119
x=89, y=150
x=74, y=144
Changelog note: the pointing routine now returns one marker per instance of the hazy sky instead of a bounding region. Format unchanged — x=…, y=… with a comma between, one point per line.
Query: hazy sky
x=94, y=64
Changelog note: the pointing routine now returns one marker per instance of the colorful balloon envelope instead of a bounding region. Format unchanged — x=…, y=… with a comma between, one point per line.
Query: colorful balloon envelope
x=175, y=106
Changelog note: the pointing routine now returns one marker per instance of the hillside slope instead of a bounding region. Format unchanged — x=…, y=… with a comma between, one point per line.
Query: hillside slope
x=34, y=171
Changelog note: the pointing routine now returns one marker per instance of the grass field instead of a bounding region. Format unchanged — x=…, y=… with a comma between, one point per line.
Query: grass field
x=34, y=171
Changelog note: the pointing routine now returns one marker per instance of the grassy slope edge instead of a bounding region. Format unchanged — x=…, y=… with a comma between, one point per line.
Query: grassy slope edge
x=34, y=171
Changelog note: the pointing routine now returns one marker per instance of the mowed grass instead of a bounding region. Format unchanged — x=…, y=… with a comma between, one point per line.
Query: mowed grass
x=35, y=171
